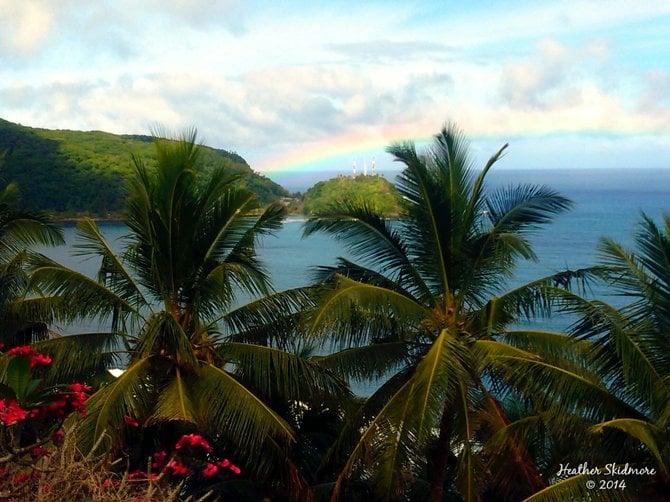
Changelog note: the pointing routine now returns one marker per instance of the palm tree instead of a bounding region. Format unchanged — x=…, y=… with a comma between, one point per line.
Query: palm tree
x=629, y=350
x=19, y=232
x=426, y=310
x=189, y=258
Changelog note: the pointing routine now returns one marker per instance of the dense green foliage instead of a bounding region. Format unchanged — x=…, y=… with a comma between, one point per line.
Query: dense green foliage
x=20, y=230
x=191, y=362
x=472, y=402
x=378, y=193
x=426, y=307
x=84, y=173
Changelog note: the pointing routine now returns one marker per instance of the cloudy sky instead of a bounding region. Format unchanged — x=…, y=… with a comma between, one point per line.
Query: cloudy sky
x=294, y=86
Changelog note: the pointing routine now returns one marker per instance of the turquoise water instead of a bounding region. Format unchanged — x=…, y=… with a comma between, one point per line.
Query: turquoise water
x=607, y=202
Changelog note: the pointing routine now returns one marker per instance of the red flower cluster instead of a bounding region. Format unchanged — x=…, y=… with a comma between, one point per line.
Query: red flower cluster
x=43, y=409
x=159, y=460
x=27, y=351
x=11, y=412
x=225, y=463
x=65, y=403
x=194, y=441
x=141, y=475
x=211, y=469
x=176, y=468
x=130, y=421
x=38, y=451
x=187, y=463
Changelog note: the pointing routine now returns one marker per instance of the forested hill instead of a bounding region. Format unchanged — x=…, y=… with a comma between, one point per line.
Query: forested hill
x=376, y=191
x=76, y=173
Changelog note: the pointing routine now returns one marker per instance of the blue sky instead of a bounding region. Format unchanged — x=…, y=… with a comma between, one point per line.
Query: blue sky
x=295, y=86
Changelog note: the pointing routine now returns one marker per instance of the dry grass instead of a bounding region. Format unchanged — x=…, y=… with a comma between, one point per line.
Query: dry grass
x=68, y=475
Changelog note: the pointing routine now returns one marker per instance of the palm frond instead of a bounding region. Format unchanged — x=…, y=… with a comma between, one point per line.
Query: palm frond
x=126, y=395
x=647, y=433
x=523, y=208
x=112, y=272
x=347, y=300
x=174, y=402
x=575, y=488
x=81, y=296
x=163, y=334
x=23, y=229
x=369, y=362
x=373, y=239
x=407, y=420
x=568, y=387
x=272, y=319
x=236, y=413
x=80, y=358
x=428, y=208
x=276, y=373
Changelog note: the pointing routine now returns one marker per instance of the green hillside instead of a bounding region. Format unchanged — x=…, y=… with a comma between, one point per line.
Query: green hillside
x=82, y=173
x=375, y=190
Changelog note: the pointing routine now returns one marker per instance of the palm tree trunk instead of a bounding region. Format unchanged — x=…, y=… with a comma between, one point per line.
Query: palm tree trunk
x=520, y=454
x=441, y=457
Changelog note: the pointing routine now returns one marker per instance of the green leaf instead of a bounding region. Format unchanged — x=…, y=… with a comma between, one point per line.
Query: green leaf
x=648, y=434
x=175, y=401
x=19, y=376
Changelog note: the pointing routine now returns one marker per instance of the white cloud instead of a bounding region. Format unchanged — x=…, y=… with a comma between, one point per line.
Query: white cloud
x=282, y=78
x=25, y=26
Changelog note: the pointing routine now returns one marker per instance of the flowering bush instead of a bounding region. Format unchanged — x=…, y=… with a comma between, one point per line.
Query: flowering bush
x=193, y=458
x=31, y=419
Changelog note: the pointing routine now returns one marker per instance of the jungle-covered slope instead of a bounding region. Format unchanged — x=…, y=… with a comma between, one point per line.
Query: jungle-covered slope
x=75, y=173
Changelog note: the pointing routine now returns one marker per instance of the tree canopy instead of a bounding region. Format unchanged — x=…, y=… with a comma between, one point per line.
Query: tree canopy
x=79, y=173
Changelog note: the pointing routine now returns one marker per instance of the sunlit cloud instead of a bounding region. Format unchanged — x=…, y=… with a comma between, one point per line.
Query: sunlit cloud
x=276, y=83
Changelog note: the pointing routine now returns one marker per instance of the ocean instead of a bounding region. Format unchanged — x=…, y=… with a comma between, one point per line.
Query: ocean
x=608, y=202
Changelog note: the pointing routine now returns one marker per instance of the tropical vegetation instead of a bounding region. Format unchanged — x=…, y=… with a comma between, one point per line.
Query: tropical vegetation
x=169, y=299
x=377, y=191
x=80, y=173
x=224, y=388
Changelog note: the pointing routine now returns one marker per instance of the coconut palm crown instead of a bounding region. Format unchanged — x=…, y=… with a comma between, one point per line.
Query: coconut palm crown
x=20, y=230
x=426, y=310
x=188, y=259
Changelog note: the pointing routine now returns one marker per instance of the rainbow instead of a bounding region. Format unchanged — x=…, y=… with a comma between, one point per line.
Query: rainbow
x=335, y=152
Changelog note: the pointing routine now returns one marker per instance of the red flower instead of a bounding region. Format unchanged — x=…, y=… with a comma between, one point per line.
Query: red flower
x=20, y=478
x=110, y=482
x=57, y=438
x=227, y=464
x=80, y=387
x=36, y=359
x=25, y=351
x=130, y=421
x=209, y=470
x=159, y=460
x=11, y=412
x=176, y=468
x=38, y=451
x=193, y=440
x=137, y=475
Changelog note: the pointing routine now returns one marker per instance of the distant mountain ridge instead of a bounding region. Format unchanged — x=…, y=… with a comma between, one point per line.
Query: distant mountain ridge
x=76, y=173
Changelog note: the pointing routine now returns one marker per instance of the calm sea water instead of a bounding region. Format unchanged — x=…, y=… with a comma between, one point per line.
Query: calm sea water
x=607, y=202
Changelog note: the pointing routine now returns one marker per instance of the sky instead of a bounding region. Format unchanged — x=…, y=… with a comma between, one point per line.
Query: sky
x=298, y=86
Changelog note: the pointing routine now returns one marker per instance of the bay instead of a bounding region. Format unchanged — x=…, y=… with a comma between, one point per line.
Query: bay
x=608, y=202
